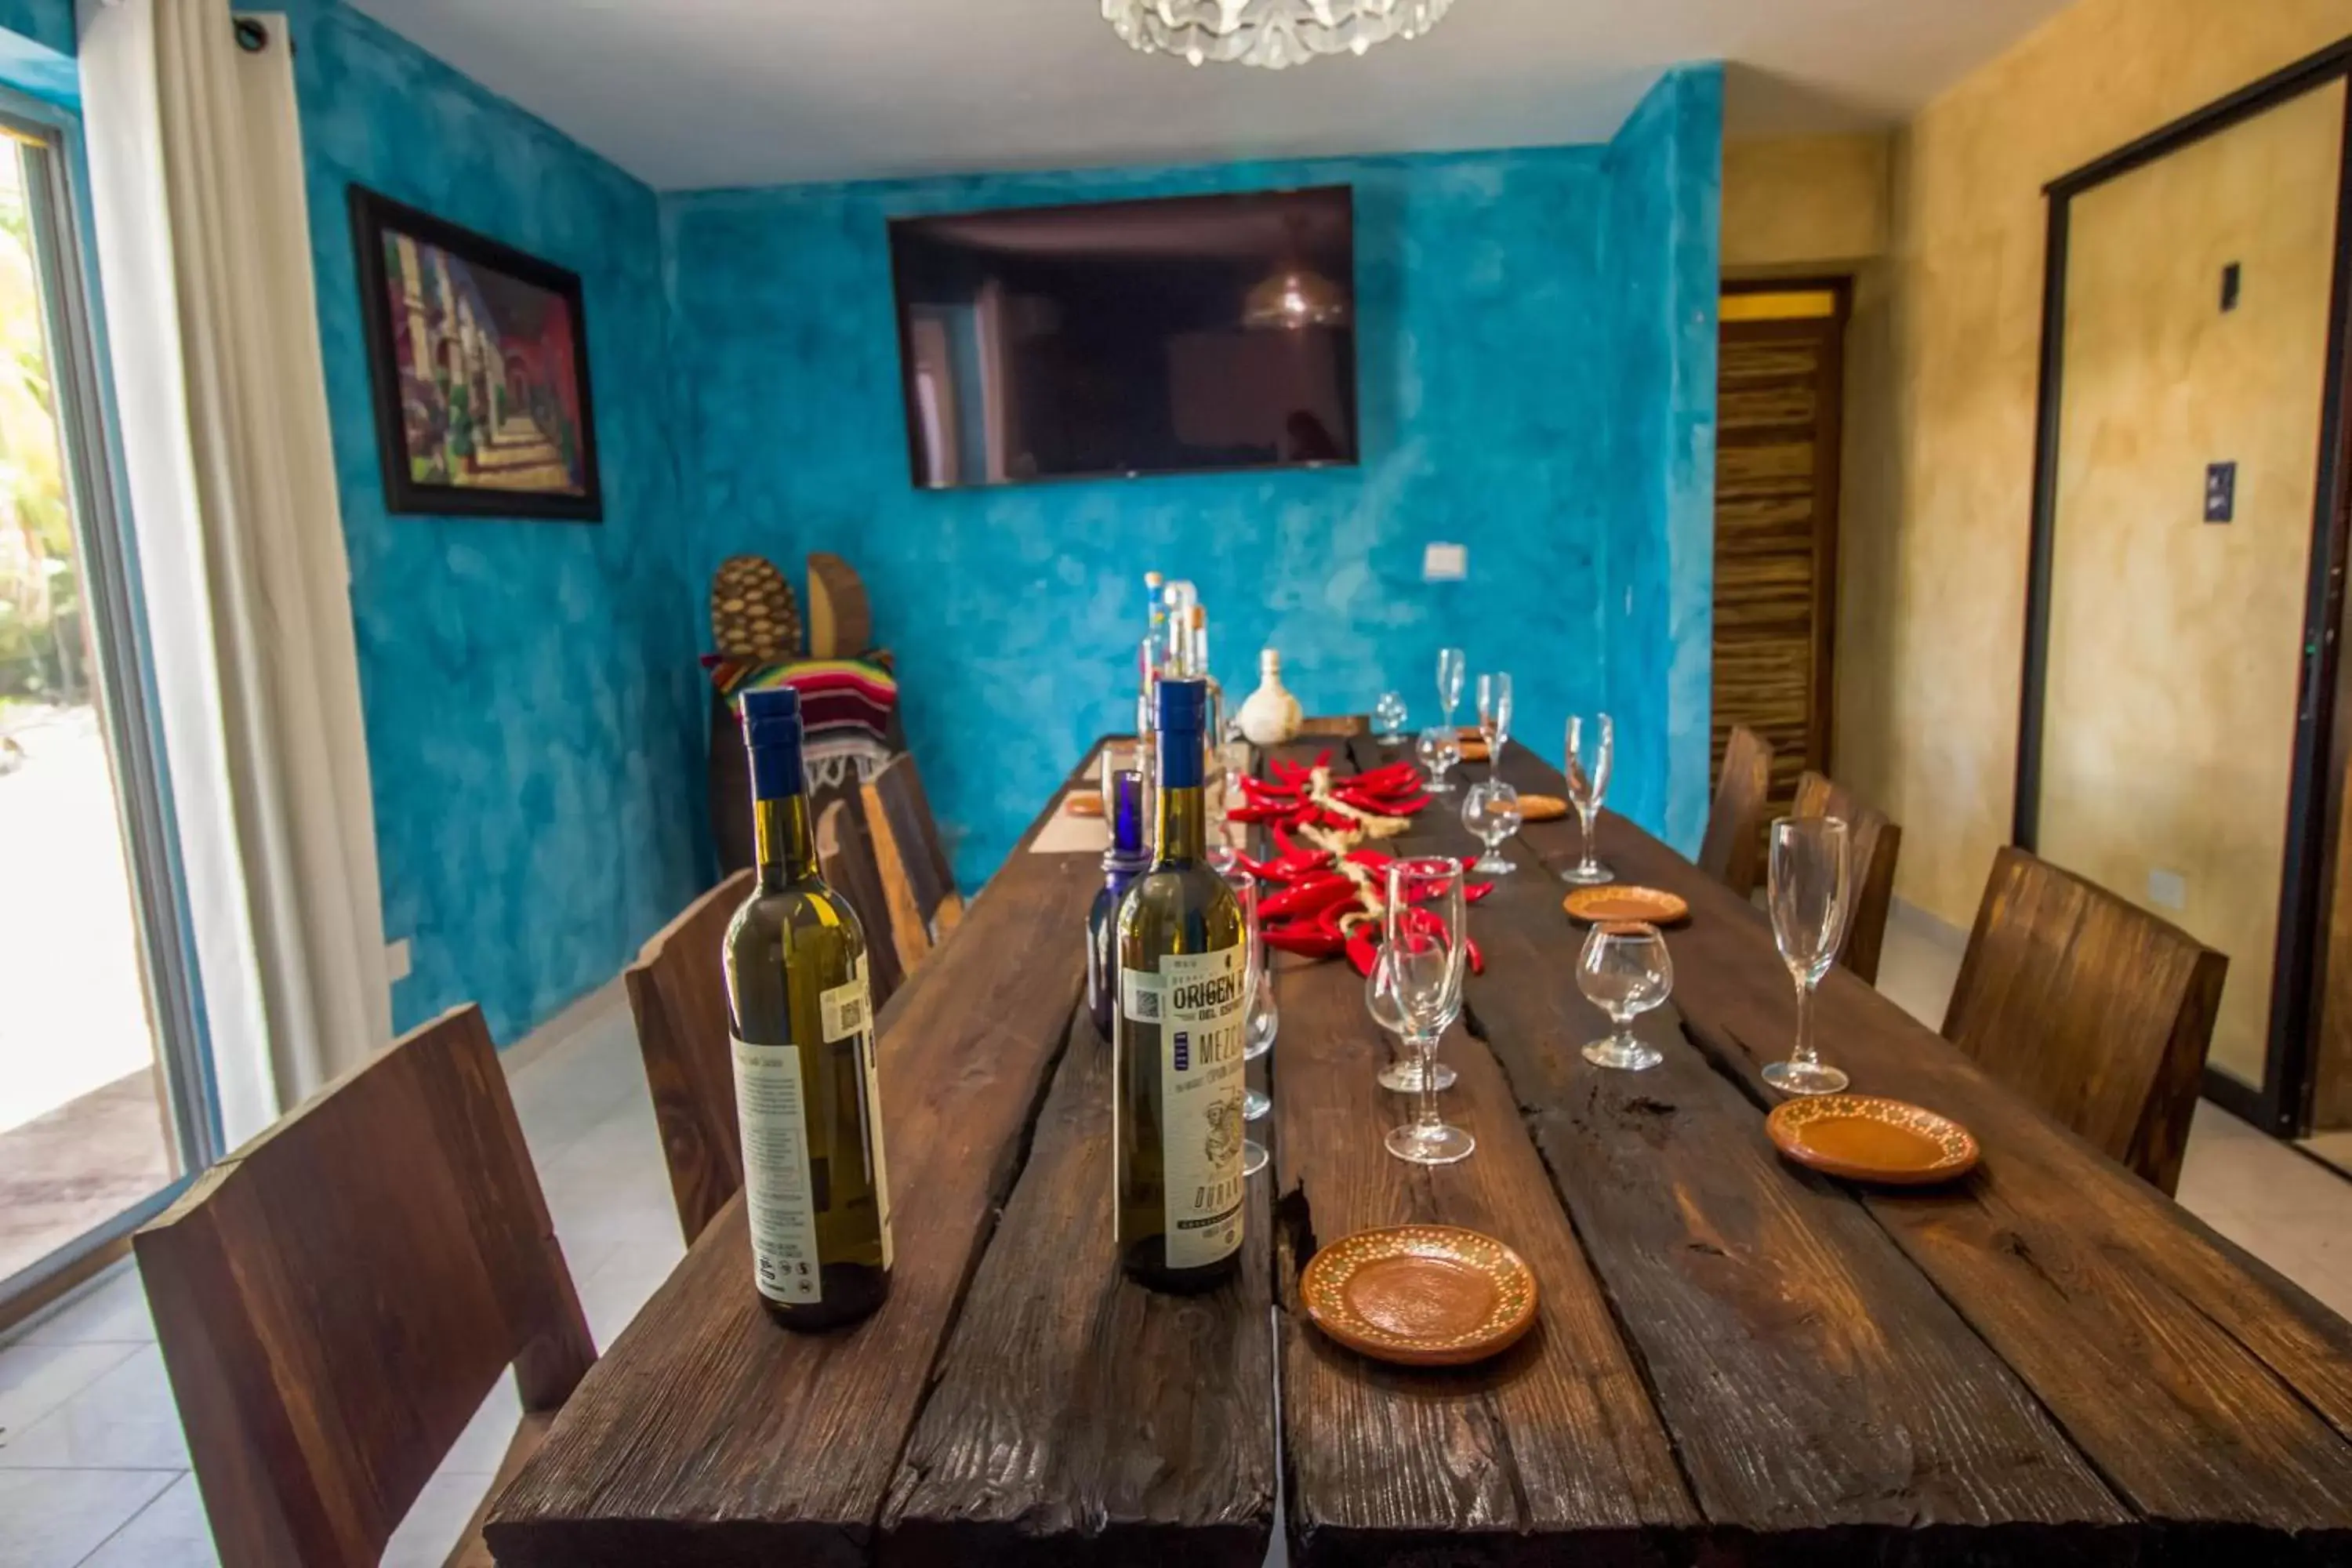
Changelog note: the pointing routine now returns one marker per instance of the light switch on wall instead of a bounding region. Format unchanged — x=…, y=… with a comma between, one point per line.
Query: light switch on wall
x=396, y=960
x=2167, y=890
x=1444, y=562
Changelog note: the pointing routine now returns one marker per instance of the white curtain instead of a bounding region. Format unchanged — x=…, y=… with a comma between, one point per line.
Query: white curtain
x=204, y=242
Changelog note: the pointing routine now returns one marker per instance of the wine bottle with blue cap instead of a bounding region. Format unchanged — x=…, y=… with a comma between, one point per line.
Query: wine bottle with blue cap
x=807, y=1099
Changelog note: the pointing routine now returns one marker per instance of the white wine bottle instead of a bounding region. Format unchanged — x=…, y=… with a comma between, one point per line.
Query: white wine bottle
x=807, y=1098
x=1176, y=1125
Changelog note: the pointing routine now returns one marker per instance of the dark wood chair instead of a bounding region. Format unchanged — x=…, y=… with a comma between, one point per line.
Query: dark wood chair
x=845, y=853
x=2091, y=1007
x=1875, y=843
x=1733, y=850
x=918, y=885
x=678, y=989
x=335, y=1299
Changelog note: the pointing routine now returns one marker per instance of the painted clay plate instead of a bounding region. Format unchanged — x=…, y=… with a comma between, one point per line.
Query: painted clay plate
x=1420, y=1295
x=1865, y=1139
x=1083, y=802
x=1617, y=901
x=1541, y=807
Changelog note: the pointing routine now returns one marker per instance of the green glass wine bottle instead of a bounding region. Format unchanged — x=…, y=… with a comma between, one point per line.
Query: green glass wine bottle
x=806, y=1097
x=1177, y=1041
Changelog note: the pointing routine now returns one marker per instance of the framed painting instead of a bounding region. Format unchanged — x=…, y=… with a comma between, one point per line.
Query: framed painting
x=478, y=359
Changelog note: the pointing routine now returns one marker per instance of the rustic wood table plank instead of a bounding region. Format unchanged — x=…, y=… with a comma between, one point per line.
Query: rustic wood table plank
x=709, y=1436
x=1079, y=1418
x=1556, y=1446
x=2210, y=1394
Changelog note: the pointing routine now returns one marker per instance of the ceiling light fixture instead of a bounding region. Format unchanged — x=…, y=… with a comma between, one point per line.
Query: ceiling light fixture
x=1269, y=32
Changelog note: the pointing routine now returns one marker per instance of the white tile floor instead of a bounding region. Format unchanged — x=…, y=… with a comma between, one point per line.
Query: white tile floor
x=93, y=1471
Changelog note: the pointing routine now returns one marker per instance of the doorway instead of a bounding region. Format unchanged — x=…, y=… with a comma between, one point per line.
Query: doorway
x=103, y=1107
x=2179, y=725
x=1780, y=391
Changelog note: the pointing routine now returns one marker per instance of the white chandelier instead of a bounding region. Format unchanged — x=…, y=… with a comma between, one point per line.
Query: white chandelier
x=1269, y=32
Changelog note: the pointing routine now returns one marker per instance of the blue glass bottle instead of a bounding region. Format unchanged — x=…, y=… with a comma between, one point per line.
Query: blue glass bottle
x=1126, y=859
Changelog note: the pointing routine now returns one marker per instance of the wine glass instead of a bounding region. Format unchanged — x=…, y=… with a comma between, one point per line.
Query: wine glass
x=1451, y=664
x=1425, y=955
x=1808, y=891
x=1256, y=985
x=1439, y=750
x=1624, y=971
x=1402, y=1075
x=1495, y=719
x=1591, y=743
x=1491, y=811
x=1389, y=717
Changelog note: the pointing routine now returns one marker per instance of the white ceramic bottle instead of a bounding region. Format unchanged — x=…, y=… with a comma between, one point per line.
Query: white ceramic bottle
x=1272, y=714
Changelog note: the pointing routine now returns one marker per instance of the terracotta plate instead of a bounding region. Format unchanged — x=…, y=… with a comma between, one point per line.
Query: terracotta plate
x=1865, y=1139
x=1083, y=802
x=1473, y=751
x=1541, y=807
x=1617, y=901
x=1420, y=1295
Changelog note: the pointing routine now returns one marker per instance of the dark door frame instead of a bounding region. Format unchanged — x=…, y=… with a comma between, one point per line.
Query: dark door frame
x=2280, y=1104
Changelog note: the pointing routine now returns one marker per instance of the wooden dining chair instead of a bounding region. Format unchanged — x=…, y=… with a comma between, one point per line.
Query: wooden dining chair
x=2091, y=1007
x=919, y=886
x=678, y=989
x=845, y=853
x=335, y=1299
x=1733, y=850
x=1873, y=841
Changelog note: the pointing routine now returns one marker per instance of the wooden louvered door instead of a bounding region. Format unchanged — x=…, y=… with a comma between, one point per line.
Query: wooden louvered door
x=1776, y=493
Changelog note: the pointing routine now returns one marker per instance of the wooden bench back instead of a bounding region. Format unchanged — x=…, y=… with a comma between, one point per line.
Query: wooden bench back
x=1875, y=842
x=846, y=852
x=1733, y=850
x=335, y=1299
x=2091, y=1007
x=678, y=989
x=917, y=886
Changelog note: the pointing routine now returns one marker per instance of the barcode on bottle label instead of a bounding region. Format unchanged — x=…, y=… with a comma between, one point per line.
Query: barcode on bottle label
x=846, y=1009
x=1139, y=993
x=771, y=1109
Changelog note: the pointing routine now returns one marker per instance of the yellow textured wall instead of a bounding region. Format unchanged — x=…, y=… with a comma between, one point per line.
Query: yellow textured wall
x=2175, y=644
x=1931, y=620
x=1804, y=201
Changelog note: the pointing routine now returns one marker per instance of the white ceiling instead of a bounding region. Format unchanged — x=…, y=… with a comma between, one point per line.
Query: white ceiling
x=689, y=93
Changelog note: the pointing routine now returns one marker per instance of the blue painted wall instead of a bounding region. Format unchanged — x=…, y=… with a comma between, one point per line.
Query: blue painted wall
x=48, y=22
x=36, y=50
x=1537, y=382
x=533, y=704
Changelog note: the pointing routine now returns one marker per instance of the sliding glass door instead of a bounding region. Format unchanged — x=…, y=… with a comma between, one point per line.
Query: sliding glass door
x=104, y=1108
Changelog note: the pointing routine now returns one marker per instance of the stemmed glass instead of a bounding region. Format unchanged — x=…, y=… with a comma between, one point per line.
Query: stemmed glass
x=1591, y=743
x=1450, y=665
x=1425, y=956
x=1402, y=1075
x=1810, y=856
x=1624, y=971
x=1439, y=750
x=1259, y=987
x=1389, y=717
x=1495, y=719
x=1491, y=811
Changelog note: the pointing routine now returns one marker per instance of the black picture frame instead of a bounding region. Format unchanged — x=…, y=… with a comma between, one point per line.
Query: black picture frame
x=373, y=214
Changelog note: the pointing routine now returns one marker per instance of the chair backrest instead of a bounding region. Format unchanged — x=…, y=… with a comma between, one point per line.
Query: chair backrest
x=1733, y=849
x=2091, y=1007
x=335, y=1299
x=845, y=852
x=918, y=885
x=678, y=989
x=1875, y=843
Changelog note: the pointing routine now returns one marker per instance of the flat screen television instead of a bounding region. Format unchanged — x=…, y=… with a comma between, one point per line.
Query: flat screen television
x=1126, y=338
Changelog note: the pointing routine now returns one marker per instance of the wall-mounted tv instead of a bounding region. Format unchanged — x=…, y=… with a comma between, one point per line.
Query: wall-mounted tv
x=1126, y=338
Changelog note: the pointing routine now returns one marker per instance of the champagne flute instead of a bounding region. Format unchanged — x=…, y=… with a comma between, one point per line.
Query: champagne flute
x=1426, y=956
x=1491, y=811
x=1450, y=665
x=1495, y=719
x=1624, y=971
x=1439, y=750
x=1257, y=985
x=1402, y=1075
x=1808, y=891
x=1389, y=717
x=1590, y=744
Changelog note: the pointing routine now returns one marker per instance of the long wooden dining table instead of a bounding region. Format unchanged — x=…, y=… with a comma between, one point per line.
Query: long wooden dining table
x=1737, y=1361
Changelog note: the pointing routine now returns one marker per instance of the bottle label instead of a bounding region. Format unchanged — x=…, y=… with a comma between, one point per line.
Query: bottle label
x=860, y=1008
x=1203, y=1000
x=772, y=1111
